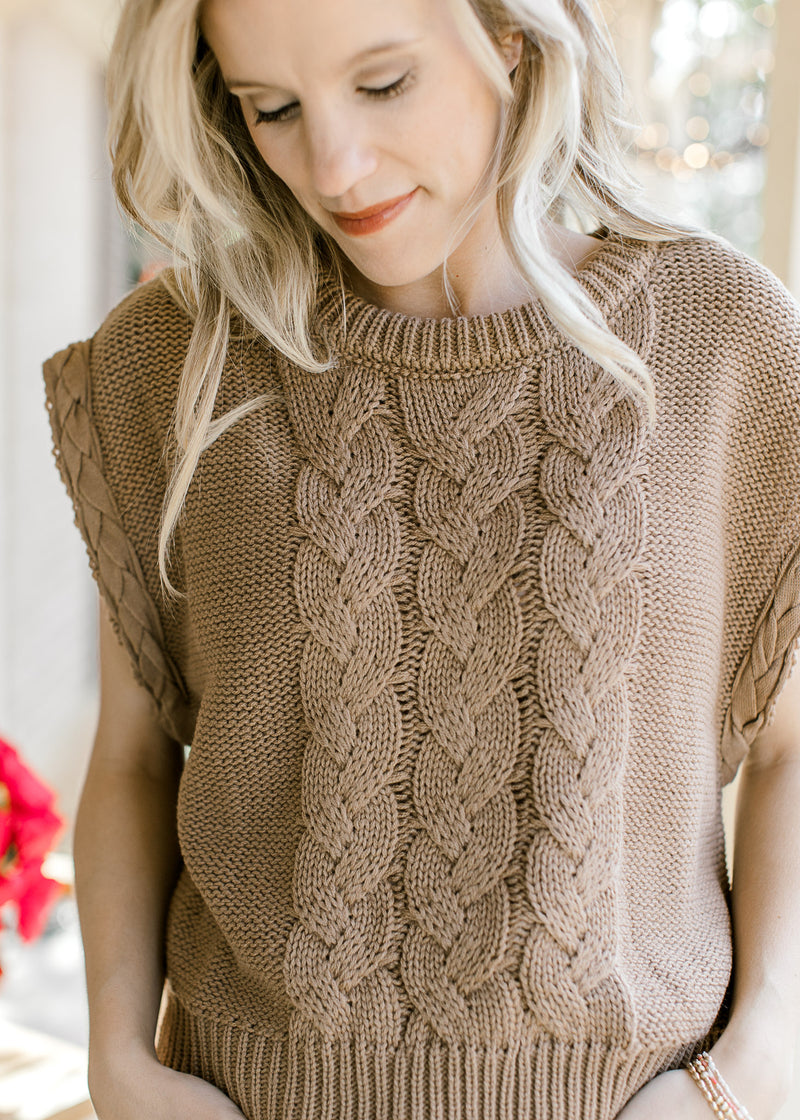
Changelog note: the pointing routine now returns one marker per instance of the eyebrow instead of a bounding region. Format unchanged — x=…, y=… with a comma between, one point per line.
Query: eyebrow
x=242, y=86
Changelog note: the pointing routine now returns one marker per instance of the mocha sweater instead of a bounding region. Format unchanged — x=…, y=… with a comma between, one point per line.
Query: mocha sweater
x=466, y=656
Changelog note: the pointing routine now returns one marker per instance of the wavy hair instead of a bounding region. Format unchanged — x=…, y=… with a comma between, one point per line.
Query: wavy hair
x=246, y=256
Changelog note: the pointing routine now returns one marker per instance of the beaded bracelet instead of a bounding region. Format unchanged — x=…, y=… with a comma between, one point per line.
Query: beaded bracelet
x=714, y=1088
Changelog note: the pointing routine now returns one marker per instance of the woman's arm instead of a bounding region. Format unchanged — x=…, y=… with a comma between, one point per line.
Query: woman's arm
x=755, y=1053
x=126, y=857
x=759, y=1045
x=126, y=863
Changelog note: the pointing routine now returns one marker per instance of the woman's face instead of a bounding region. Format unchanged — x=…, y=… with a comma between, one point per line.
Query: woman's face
x=355, y=103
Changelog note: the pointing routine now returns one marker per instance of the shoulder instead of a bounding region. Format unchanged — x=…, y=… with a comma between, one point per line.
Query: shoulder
x=130, y=368
x=727, y=361
x=712, y=277
x=111, y=397
x=148, y=326
x=148, y=323
x=728, y=320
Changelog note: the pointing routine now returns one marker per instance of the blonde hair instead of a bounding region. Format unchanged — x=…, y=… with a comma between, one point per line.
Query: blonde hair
x=247, y=256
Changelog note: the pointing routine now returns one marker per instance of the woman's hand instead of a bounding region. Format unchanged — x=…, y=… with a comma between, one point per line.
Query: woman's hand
x=670, y=1096
x=757, y=1071
x=141, y=1087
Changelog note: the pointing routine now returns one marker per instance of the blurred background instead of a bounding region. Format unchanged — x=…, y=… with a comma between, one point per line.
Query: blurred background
x=715, y=104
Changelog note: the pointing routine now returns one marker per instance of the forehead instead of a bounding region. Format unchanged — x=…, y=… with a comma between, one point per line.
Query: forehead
x=281, y=39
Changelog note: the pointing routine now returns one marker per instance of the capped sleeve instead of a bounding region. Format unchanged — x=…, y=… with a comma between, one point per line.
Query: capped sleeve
x=114, y=561
x=763, y=499
x=766, y=666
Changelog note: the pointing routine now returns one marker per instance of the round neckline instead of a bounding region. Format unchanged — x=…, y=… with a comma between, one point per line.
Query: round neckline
x=468, y=343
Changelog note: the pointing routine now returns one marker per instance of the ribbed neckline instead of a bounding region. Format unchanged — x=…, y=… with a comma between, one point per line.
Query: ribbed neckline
x=466, y=344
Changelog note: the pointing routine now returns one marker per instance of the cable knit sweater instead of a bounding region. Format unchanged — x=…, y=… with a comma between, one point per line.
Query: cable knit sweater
x=466, y=656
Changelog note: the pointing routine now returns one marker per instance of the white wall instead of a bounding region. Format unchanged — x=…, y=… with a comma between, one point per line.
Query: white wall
x=58, y=237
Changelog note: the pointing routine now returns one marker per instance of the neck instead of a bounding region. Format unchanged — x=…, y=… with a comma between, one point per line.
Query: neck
x=489, y=283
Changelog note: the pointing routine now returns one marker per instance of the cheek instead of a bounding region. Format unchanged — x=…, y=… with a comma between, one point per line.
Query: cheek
x=463, y=126
x=278, y=161
x=257, y=136
x=285, y=165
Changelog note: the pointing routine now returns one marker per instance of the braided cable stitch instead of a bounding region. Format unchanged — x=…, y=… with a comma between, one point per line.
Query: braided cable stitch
x=337, y=950
x=465, y=502
x=766, y=665
x=590, y=482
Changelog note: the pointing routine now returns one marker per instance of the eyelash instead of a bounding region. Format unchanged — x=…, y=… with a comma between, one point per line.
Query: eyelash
x=278, y=116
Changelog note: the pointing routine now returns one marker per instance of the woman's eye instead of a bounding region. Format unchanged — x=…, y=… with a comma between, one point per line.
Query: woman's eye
x=275, y=115
x=283, y=114
x=400, y=86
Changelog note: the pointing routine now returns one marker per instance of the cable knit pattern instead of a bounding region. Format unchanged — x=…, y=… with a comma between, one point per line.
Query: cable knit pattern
x=116, y=567
x=465, y=502
x=768, y=663
x=589, y=480
x=470, y=651
x=336, y=952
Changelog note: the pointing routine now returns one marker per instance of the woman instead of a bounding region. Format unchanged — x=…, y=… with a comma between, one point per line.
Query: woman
x=463, y=550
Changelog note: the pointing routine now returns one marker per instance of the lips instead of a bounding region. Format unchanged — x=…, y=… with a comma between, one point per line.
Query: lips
x=356, y=216
x=377, y=217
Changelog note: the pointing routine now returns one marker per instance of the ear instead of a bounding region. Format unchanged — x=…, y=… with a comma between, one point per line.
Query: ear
x=511, y=47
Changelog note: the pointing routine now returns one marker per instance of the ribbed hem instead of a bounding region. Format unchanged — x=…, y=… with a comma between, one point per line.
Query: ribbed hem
x=467, y=343
x=273, y=1078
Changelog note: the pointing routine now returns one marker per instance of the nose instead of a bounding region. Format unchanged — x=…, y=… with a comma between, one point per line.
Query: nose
x=339, y=152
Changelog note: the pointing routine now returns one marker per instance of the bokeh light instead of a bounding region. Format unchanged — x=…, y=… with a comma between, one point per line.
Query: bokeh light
x=702, y=147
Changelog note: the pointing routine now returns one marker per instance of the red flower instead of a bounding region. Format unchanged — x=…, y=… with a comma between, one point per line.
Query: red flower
x=28, y=827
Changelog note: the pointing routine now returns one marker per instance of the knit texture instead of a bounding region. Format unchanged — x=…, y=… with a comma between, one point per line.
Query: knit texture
x=467, y=655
